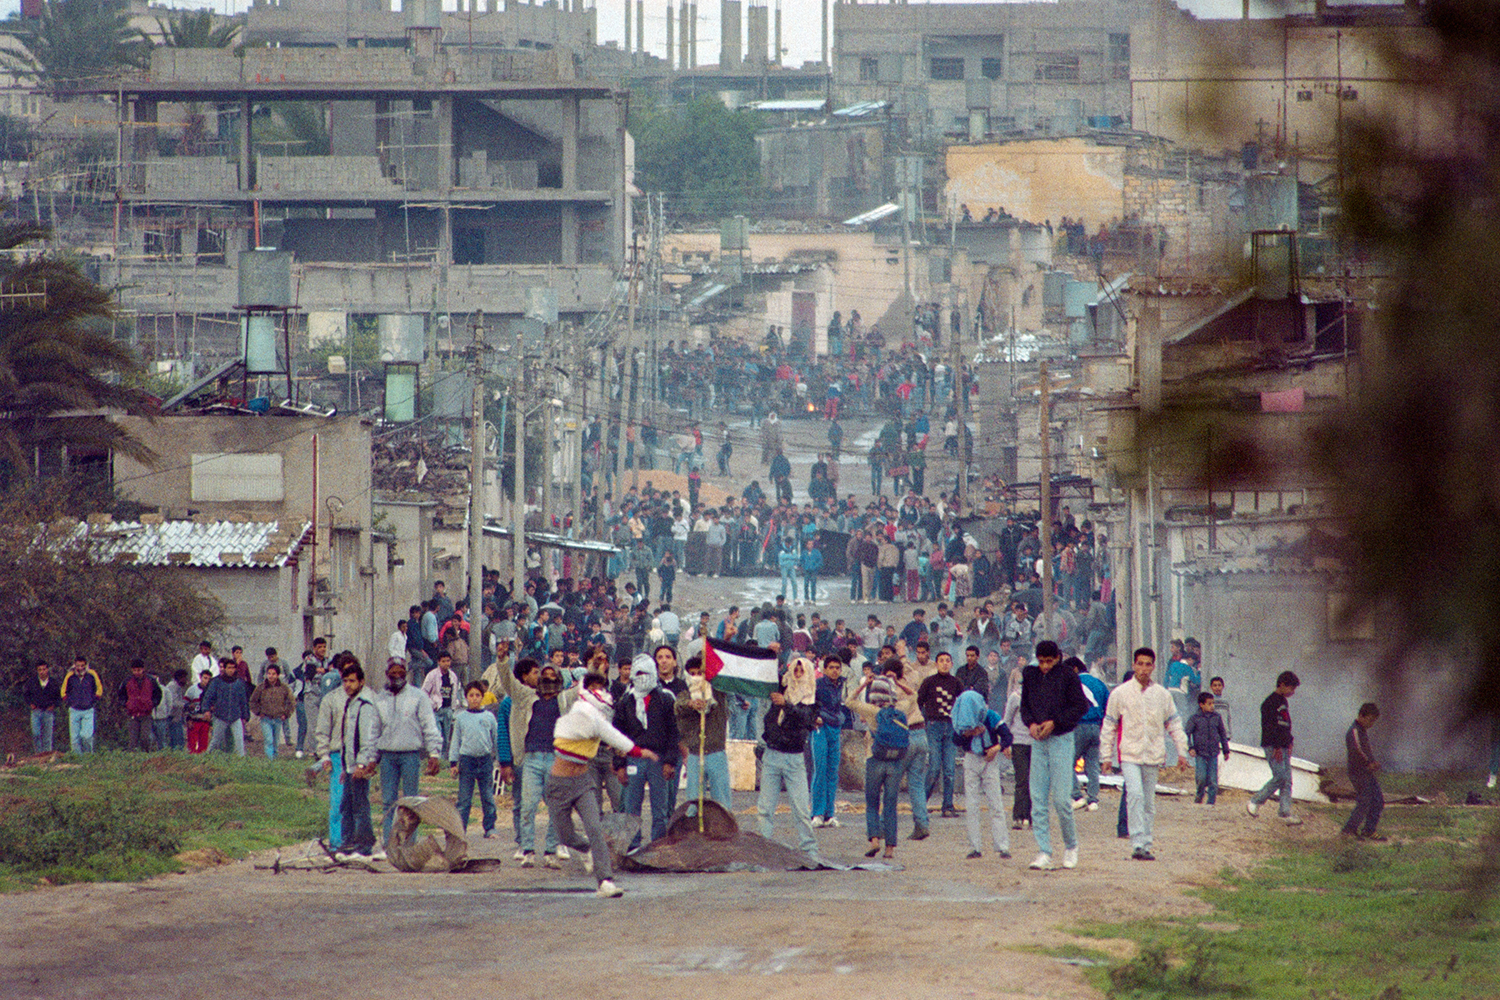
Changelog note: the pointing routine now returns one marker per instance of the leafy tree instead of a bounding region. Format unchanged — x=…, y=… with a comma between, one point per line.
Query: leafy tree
x=16, y=138
x=56, y=356
x=57, y=599
x=80, y=41
x=703, y=153
x=195, y=29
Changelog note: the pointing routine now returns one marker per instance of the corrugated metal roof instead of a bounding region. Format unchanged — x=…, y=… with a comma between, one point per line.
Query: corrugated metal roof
x=874, y=215
x=254, y=544
x=548, y=539
x=789, y=104
x=863, y=109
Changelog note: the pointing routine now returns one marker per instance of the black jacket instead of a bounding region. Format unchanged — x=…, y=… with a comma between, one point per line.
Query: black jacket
x=1275, y=722
x=1056, y=695
x=660, y=731
x=42, y=697
x=787, y=727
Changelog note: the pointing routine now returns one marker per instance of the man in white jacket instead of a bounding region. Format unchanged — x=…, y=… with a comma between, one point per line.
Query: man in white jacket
x=571, y=785
x=1141, y=713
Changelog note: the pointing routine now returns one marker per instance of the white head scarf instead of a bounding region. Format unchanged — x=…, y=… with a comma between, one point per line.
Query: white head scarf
x=643, y=681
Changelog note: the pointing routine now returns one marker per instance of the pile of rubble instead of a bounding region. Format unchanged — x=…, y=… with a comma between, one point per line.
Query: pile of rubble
x=416, y=461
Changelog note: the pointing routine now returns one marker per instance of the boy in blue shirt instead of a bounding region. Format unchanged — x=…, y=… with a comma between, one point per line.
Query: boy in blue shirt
x=471, y=755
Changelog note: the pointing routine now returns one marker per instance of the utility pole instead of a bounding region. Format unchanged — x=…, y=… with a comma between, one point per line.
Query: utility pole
x=606, y=365
x=1044, y=520
x=955, y=371
x=549, y=466
x=621, y=405
x=476, y=488
x=518, y=508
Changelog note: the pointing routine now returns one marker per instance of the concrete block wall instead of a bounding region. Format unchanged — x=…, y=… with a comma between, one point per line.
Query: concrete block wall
x=320, y=173
x=185, y=175
x=1202, y=230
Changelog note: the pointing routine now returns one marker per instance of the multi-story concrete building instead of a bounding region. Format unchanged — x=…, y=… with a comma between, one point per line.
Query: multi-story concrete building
x=446, y=180
x=971, y=70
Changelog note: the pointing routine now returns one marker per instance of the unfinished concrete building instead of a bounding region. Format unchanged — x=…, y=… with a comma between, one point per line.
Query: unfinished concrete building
x=972, y=70
x=422, y=179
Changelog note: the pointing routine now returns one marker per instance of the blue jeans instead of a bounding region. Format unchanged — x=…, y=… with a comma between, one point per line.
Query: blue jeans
x=944, y=759
x=81, y=729
x=715, y=778
x=856, y=591
x=1052, y=785
x=739, y=727
x=1086, y=745
x=1369, y=803
x=229, y=735
x=272, y=730
x=336, y=799
x=400, y=773
x=787, y=771
x=882, y=789
x=301, y=725
x=1206, y=771
x=478, y=771
x=1140, y=809
x=532, y=776
x=789, y=582
x=641, y=773
x=1281, y=780
x=354, y=816
x=826, y=741
x=161, y=732
x=914, y=768
x=42, y=721
x=444, y=719
x=176, y=734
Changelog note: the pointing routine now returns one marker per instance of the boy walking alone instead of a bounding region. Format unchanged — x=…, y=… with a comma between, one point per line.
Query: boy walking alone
x=1276, y=741
x=1369, y=800
x=1206, y=740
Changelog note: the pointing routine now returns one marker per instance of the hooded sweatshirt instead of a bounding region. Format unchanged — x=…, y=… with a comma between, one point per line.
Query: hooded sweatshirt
x=970, y=710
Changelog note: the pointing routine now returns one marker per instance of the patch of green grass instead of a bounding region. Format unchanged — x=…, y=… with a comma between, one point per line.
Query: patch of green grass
x=1341, y=919
x=122, y=817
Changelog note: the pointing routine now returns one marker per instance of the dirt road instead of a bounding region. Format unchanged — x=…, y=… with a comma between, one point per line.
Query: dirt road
x=943, y=927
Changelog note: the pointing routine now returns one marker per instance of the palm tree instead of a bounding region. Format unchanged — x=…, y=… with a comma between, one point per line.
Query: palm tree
x=195, y=29
x=57, y=357
x=78, y=41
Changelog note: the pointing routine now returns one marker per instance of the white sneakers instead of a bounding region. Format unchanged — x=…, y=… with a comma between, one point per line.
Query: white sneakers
x=1041, y=862
x=1079, y=804
x=1491, y=782
x=550, y=861
x=608, y=890
x=1292, y=820
x=1093, y=807
x=1070, y=857
x=563, y=853
x=1251, y=807
x=379, y=855
x=832, y=821
x=817, y=823
x=520, y=855
x=528, y=859
x=820, y=822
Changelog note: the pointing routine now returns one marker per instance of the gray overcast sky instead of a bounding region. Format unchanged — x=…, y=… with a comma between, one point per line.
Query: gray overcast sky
x=801, y=34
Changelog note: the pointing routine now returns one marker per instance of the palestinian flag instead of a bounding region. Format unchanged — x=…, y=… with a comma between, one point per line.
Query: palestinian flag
x=738, y=669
